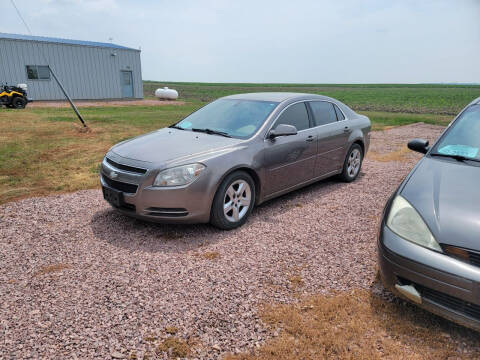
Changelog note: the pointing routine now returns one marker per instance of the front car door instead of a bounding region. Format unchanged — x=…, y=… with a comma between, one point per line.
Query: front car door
x=333, y=132
x=290, y=160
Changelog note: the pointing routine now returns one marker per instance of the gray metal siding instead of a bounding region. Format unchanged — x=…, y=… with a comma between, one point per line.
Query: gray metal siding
x=87, y=72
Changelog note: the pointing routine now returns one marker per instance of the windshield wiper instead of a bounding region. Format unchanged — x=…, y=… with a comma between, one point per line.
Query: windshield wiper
x=212, y=132
x=456, y=157
x=175, y=126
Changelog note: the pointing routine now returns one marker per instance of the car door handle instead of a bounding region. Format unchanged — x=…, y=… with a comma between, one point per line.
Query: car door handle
x=346, y=129
x=310, y=138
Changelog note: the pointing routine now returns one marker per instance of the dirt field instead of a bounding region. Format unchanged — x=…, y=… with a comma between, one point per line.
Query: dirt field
x=90, y=103
x=79, y=280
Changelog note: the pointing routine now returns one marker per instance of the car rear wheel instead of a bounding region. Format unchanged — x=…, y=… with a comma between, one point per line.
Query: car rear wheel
x=19, y=103
x=233, y=201
x=352, y=164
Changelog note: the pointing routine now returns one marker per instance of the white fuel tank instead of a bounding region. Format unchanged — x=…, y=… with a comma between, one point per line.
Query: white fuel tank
x=166, y=93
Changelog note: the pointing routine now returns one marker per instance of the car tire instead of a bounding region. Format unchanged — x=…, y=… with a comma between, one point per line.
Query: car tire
x=19, y=103
x=352, y=164
x=233, y=201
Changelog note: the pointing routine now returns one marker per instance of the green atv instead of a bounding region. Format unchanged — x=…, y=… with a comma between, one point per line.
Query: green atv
x=14, y=96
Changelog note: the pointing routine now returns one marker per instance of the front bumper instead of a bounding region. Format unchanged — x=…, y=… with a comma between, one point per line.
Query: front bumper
x=182, y=204
x=448, y=287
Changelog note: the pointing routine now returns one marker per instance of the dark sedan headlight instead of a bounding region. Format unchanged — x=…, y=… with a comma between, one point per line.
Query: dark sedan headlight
x=405, y=221
x=178, y=176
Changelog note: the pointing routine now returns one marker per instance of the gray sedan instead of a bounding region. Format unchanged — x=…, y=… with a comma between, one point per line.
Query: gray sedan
x=232, y=154
x=429, y=239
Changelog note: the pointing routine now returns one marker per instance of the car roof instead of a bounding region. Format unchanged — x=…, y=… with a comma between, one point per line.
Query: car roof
x=276, y=96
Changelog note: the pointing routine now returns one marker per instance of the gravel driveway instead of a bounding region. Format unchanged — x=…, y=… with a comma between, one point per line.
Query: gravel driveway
x=79, y=280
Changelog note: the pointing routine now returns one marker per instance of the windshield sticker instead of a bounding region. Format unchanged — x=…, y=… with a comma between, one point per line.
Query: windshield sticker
x=185, y=124
x=462, y=150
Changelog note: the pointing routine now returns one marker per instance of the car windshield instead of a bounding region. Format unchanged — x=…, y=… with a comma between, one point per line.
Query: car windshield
x=235, y=118
x=463, y=138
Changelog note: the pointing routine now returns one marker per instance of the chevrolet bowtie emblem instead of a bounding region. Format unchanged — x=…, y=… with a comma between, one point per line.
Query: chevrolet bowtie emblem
x=113, y=174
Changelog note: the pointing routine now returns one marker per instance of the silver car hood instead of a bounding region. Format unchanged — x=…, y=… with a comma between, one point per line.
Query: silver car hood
x=446, y=195
x=170, y=144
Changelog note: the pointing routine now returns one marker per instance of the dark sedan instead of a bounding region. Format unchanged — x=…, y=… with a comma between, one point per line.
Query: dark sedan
x=429, y=239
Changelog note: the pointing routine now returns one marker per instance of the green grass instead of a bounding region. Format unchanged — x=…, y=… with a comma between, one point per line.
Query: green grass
x=382, y=119
x=422, y=98
x=43, y=151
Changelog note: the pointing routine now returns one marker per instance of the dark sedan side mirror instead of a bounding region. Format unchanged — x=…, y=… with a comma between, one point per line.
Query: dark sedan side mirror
x=419, y=145
x=282, y=130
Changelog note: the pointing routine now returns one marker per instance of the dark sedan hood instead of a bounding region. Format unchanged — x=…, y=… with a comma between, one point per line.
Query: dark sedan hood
x=170, y=144
x=446, y=194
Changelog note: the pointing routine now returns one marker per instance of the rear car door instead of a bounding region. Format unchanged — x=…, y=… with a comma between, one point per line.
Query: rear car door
x=290, y=160
x=332, y=131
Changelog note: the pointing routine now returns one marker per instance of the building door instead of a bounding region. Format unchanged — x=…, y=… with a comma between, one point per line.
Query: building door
x=126, y=80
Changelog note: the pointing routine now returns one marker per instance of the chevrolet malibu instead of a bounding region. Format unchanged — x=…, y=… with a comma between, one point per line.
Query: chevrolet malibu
x=232, y=154
x=429, y=239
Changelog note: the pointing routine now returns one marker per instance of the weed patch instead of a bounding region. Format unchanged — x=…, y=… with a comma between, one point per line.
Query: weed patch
x=51, y=269
x=358, y=325
x=209, y=255
x=174, y=348
x=397, y=155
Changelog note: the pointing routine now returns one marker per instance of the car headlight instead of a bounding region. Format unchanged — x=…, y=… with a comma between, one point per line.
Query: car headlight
x=405, y=221
x=180, y=175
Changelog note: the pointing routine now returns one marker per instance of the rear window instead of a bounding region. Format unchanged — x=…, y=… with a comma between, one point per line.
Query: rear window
x=340, y=116
x=323, y=112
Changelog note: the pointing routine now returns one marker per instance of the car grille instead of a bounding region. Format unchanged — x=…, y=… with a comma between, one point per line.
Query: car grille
x=474, y=258
x=167, y=212
x=469, y=256
x=126, y=167
x=121, y=186
x=450, y=302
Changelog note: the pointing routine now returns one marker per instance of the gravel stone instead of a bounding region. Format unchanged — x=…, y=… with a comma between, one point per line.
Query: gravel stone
x=123, y=281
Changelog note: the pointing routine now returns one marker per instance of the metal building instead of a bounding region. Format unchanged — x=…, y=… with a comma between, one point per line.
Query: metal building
x=88, y=70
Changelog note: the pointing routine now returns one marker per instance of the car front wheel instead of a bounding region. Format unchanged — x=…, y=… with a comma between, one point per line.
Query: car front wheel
x=233, y=201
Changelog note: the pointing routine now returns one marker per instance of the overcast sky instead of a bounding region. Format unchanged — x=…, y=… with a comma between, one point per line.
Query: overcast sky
x=312, y=41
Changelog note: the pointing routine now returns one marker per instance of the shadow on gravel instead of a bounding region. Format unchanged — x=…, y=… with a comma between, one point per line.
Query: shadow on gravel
x=284, y=203
x=120, y=230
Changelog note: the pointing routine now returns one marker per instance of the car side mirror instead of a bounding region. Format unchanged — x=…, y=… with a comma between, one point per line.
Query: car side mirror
x=419, y=145
x=282, y=130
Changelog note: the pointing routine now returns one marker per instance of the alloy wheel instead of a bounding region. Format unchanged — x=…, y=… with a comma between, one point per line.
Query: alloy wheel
x=353, y=164
x=237, y=200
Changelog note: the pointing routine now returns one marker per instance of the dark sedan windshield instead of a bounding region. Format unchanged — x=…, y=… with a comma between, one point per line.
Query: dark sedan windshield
x=463, y=138
x=237, y=118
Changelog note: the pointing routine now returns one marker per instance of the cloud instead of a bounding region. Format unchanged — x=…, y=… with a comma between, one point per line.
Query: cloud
x=275, y=41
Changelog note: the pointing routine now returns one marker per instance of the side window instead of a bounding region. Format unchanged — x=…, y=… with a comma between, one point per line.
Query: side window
x=323, y=112
x=340, y=116
x=38, y=72
x=43, y=72
x=32, y=72
x=295, y=115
